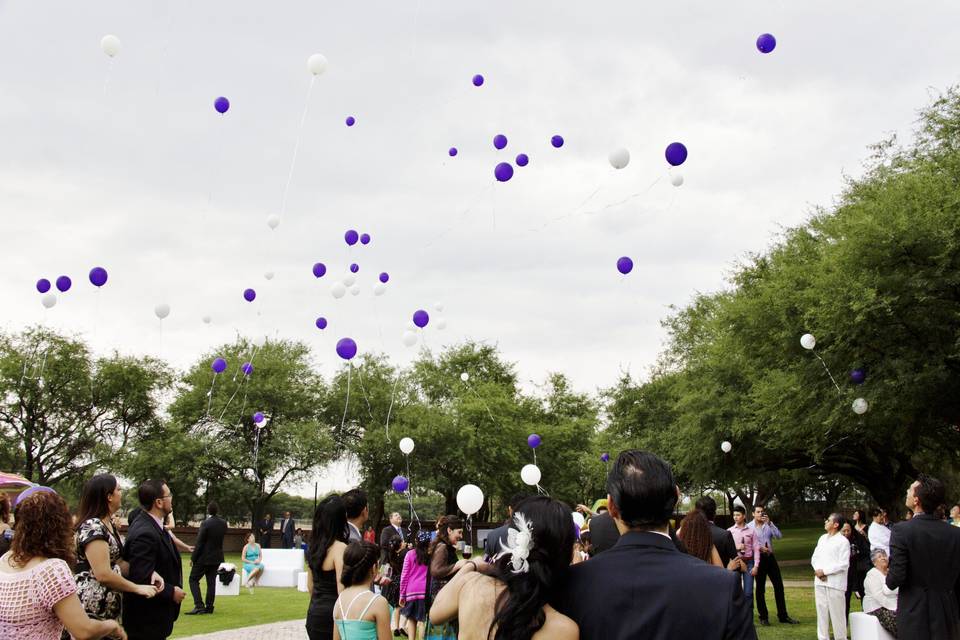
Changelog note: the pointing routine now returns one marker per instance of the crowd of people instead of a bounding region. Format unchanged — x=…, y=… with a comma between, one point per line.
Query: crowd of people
x=626, y=573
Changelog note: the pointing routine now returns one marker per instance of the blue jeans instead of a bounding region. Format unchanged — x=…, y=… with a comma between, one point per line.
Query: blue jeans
x=748, y=583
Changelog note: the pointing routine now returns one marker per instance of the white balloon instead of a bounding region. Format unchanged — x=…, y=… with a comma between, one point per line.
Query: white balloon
x=48, y=300
x=406, y=446
x=860, y=406
x=578, y=519
x=619, y=158
x=355, y=290
x=469, y=499
x=268, y=275
x=273, y=221
x=676, y=180
x=317, y=64
x=726, y=447
x=162, y=310
x=441, y=324
x=379, y=290
x=258, y=341
x=411, y=327
x=110, y=45
x=409, y=338
x=465, y=376
x=530, y=474
x=207, y=319
x=349, y=280
x=438, y=306
x=338, y=290
x=807, y=341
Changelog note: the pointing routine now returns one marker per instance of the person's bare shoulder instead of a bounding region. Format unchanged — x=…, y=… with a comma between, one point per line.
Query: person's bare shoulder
x=557, y=626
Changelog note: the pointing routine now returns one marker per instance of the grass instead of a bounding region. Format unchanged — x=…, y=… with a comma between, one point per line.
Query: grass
x=276, y=605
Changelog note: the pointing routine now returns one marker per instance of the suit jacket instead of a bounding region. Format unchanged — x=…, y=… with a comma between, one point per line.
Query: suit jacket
x=723, y=541
x=494, y=540
x=925, y=565
x=604, y=534
x=286, y=533
x=390, y=541
x=645, y=588
x=149, y=548
x=266, y=532
x=209, y=547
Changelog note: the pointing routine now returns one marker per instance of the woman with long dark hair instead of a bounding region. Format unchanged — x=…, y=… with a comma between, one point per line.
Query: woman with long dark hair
x=509, y=599
x=100, y=570
x=6, y=533
x=325, y=558
x=695, y=533
x=443, y=566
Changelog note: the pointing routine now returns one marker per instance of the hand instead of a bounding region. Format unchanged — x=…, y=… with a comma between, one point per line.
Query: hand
x=157, y=581
x=819, y=573
x=584, y=509
x=753, y=572
x=119, y=633
x=401, y=602
x=190, y=549
x=734, y=565
x=178, y=595
x=145, y=590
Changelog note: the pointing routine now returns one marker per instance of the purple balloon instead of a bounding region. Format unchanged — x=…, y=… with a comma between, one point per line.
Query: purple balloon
x=364, y=238
x=478, y=80
x=258, y=417
x=766, y=43
x=351, y=121
x=604, y=457
x=98, y=276
x=247, y=368
x=384, y=277
x=523, y=160
x=346, y=348
x=503, y=171
x=43, y=285
x=400, y=484
x=351, y=237
x=249, y=295
x=557, y=141
x=676, y=154
x=624, y=265
x=858, y=376
x=354, y=268
x=533, y=441
x=319, y=269
x=499, y=141
x=321, y=323
x=221, y=104
x=421, y=318
x=219, y=365
x=63, y=284
x=452, y=152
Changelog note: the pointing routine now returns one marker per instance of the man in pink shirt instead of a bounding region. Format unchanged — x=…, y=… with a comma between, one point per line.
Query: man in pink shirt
x=748, y=550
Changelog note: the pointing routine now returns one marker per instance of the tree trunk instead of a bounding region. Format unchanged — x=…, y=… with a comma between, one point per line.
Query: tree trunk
x=376, y=512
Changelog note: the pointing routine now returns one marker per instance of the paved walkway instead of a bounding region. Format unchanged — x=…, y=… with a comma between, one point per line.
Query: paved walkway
x=291, y=630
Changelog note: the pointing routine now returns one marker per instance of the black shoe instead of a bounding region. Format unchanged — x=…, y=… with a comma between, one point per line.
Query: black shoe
x=764, y=622
x=208, y=610
x=403, y=632
x=789, y=620
x=196, y=611
x=396, y=633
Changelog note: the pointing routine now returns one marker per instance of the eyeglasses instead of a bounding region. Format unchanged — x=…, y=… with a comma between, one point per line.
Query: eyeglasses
x=169, y=495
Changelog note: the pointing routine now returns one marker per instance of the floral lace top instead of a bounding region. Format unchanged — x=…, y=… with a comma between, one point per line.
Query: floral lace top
x=100, y=602
x=27, y=599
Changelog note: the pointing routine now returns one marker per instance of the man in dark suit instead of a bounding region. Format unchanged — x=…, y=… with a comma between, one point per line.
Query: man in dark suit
x=206, y=558
x=286, y=531
x=494, y=540
x=644, y=587
x=925, y=565
x=149, y=548
x=722, y=539
x=266, y=531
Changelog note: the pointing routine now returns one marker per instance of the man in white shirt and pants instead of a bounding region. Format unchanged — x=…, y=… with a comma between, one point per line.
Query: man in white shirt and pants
x=830, y=561
x=879, y=533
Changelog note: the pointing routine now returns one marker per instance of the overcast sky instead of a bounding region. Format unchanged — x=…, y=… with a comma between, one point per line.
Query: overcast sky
x=124, y=163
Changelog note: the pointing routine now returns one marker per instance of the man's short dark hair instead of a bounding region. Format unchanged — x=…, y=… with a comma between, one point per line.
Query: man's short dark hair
x=149, y=492
x=738, y=509
x=516, y=499
x=876, y=511
x=708, y=506
x=355, y=502
x=641, y=485
x=213, y=508
x=930, y=492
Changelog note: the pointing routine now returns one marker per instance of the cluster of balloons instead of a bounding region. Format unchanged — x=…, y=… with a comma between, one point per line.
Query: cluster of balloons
x=98, y=278
x=857, y=376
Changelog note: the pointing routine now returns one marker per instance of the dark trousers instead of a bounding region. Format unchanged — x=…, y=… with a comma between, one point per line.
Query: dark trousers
x=198, y=571
x=769, y=567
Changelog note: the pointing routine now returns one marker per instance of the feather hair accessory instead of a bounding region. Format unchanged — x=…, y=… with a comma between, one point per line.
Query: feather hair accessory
x=519, y=543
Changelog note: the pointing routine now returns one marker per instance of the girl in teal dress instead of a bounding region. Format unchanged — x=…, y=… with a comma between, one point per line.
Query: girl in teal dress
x=252, y=562
x=360, y=614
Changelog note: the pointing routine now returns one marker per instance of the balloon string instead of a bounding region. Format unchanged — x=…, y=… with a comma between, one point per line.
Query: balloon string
x=393, y=395
x=629, y=198
x=243, y=381
x=296, y=145
x=346, y=405
x=210, y=393
x=476, y=200
x=106, y=79
x=256, y=453
x=483, y=402
x=413, y=512
x=827, y=369
x=363, y=392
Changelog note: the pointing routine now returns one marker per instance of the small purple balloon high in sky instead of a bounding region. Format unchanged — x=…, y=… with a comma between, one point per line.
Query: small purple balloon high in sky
x=384, y=277
x=503, y=171
x=421, y=318
x=354, y=268
x=221, y=104
x=766, y=43
x=478, y=80
x=321, y=323
x=249, y=295
x=676, y=153
x=247, y=368
x=351, y=237
x=400, y=484
x=319, y=270
x=219, y=365
x=533, y=441
x=499, y=141
x=43, y=285
x=364, y=238
x=63, y=284
x=452, y=152
x=522, y=160
x=624, y=265
x=98, y=276
x=346, y=348
x=557, y=141
x=351, y=121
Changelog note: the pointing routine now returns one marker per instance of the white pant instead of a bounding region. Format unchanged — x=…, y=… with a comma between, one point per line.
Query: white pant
x=831, y=608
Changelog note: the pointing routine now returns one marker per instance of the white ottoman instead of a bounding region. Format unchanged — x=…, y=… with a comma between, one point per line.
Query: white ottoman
x=232, y=589
x=302, y=581
x=864, y=626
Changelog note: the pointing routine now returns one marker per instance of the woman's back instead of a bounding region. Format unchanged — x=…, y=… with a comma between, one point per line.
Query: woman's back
x=477, y=602
x=355, y=615
x=27, y=597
